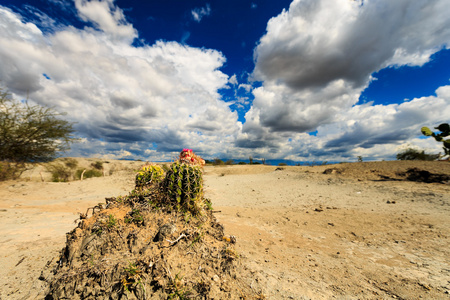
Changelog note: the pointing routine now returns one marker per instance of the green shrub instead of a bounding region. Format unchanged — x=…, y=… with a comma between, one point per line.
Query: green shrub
x=88, y=174
x=282, y=164
x=97, y=165
x=71, y=163
x=10, y=171
x=60, y=173
x=414, y=154
x=218, y=162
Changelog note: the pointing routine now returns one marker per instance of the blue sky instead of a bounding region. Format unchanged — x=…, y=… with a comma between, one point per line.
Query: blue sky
x=303, y=80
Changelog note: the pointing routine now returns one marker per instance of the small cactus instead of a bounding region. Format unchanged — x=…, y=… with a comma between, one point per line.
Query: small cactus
x=183, y=186
x=149, y=175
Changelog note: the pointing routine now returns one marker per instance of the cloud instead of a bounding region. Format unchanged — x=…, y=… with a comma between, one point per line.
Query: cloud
x=150, y=101
x=200, y=12
x=162, y=96
x=373, y=132
x=315, y=60
x=318, y=42
x=317, y=57
x=233, y=80
x=366, y=126
x=107, y=18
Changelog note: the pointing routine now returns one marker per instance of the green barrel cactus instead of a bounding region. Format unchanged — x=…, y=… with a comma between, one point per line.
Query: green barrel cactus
x=149, y=175
x=183, y=185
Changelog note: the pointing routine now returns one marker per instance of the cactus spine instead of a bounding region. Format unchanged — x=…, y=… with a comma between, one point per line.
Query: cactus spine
x=183, y=186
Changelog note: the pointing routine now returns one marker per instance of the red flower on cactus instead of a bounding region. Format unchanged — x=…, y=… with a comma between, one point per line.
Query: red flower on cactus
x=188, y=156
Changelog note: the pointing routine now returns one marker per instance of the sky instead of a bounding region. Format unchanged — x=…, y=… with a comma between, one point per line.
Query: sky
x=302, y=80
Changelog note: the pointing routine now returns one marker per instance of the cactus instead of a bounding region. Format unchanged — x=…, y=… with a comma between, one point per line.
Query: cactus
x=444, y=129
x=149, y=175
x=183, y=186
x=179, y=186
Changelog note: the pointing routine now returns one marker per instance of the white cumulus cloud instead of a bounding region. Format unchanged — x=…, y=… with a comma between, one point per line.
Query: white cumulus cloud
x=317, y=57
x=162, y=96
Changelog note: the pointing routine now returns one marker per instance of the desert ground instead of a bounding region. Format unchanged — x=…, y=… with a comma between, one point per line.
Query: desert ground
x=369, y=230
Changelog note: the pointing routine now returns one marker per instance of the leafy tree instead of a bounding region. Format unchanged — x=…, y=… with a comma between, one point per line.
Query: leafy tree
x=31, y=133
x=444, y=129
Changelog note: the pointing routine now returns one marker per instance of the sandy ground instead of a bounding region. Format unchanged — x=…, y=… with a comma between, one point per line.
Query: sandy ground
x=359, y=232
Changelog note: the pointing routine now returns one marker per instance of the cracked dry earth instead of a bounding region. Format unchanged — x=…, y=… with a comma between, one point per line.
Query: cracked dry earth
x=360, y=231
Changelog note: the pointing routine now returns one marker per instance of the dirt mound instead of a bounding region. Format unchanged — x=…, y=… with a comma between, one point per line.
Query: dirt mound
x=139, y=252
x=159, y=242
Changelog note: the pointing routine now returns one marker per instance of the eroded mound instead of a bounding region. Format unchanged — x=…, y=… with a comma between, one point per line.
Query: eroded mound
x=140, y=252
x=159, y=242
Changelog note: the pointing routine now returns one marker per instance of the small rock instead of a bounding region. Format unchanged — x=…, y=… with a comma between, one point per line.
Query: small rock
x=165, y=231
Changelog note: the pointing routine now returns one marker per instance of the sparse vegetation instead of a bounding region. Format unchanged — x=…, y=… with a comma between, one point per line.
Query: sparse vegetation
x=111, y=221
x=218, y=162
